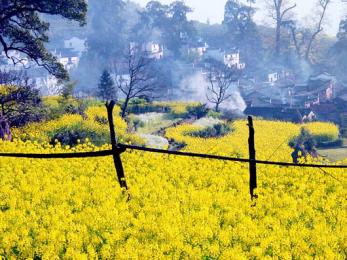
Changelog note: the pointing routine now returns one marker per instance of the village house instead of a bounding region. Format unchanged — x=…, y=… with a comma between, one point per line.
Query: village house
x=319, y=89
x=67, y=57
x=152, y=50
x=198, y=49
x=76, y=44
x=282, y=76
x=232, y=59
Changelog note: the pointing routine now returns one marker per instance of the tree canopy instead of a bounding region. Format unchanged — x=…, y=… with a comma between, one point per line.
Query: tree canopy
x=167, y=24
x=23, y=29
x=242, y=32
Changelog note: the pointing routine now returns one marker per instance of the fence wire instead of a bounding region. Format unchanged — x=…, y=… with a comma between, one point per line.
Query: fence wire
x=160, y=151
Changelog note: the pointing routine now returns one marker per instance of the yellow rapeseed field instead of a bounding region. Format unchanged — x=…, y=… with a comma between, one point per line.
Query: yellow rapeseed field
x=40, y=131
x=180, y=208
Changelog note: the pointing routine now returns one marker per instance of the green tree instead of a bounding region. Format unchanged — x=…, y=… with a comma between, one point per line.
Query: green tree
x=107, y=90
x=67, y=91
x=20, y=101
x=23, y=29
x=180, y=30
x=242, y=31
x=304, y=144
x=106, y=29
x=166, y=23
x=153, y=22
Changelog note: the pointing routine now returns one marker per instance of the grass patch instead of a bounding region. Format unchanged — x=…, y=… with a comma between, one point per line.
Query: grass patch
x=337, y=154
x=154, y=122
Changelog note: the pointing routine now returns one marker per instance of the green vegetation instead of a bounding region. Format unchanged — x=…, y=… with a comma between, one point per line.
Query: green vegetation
x=73, y=135
x=217, y=130
x=152, y=122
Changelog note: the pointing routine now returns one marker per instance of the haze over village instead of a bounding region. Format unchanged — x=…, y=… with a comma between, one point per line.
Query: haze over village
x=283, y=67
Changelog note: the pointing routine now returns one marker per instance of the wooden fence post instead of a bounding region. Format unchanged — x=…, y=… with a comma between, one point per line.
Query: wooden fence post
x=115, y=148
x=252, y=158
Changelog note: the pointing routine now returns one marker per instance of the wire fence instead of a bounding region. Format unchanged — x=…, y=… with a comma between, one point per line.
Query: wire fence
x=118, y=149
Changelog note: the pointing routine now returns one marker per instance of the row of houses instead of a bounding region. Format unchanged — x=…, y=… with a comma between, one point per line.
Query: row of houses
x=322, y=97
x=230, y=57
x=68, y=56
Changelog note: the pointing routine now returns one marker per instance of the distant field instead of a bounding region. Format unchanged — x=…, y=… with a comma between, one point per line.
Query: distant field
x=334, y=155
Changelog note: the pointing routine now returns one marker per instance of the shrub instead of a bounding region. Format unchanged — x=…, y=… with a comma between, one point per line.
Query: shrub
x=77, y=133
x=101, y=120
x=305, y=139
x=216, y=130
x=138, y=101
x=20, y=105
x=138, y=123
x=214, y=114
x=197, y=111
x=331, y=144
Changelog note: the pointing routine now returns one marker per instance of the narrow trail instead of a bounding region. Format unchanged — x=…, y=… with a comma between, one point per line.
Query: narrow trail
x=157, y=139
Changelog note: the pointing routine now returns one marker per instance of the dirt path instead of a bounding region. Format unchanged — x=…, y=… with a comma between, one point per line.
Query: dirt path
x=155, y=141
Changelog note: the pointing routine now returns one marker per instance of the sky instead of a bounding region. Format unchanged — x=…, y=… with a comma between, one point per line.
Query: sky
x=214, y=11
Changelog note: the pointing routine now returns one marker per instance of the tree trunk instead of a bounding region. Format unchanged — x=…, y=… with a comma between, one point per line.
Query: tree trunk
x=5, y=130
x=278, y=38
x=125, y=106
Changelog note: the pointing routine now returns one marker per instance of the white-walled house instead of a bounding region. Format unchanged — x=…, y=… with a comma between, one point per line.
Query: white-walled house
x=199, y=49
x=67, y=57
x=273, y=77
x=152, y=50
x=279, y=75
x=232, y=59
x=76, y=44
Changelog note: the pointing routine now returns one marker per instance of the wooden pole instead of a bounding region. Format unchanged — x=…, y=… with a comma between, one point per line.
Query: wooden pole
x=115, y=148
x=252, y=157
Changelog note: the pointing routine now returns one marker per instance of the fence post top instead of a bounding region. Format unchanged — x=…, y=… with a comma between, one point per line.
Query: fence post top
x=250, y=121
x=110, y=104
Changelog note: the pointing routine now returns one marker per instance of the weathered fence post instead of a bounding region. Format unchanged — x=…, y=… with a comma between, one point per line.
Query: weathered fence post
x=252, y=158
x=115, y=148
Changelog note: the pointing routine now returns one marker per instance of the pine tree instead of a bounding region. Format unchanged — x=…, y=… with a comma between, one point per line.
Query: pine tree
x=107, y=90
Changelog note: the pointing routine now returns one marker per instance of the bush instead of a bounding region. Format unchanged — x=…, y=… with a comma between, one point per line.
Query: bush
x=214, y=114
x=21, y=105
x=197, y=111
x=70, y=106
x=76, y=134
x=331, y=144
x=138, y=101
x=101, y=120
x=217, y=130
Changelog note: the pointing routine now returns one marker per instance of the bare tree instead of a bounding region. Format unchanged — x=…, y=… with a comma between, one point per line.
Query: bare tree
x=304, y=37
x=323, y=6
x=139, y=79
x=220, y=79
x=279, y=11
